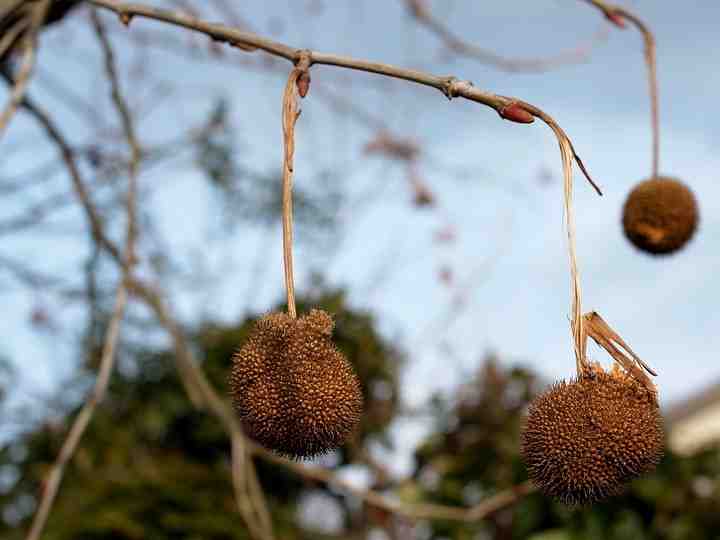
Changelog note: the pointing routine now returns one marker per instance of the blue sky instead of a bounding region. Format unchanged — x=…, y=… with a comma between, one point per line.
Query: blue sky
x=511, y=243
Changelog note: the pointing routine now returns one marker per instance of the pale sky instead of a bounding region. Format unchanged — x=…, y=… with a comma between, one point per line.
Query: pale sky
x=511, y=243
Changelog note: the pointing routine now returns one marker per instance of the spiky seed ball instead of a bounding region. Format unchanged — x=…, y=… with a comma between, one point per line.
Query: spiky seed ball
x=585, y=439
x=660, y=215
x=294, y=392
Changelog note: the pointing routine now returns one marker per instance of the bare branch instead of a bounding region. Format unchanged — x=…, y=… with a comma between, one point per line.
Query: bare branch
x=39, y=13
x=79, y=184
x=450, y=86
x=250, y=498
x=54, y=477
x=126, y=262
x=617, y=15
x=576, y=55
x=128, y=128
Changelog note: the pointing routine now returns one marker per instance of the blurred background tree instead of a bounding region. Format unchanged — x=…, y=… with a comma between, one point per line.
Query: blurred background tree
x=156, y=467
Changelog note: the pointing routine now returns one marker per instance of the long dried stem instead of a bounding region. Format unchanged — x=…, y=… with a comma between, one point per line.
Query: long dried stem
x=290, y=114
x=616, y=14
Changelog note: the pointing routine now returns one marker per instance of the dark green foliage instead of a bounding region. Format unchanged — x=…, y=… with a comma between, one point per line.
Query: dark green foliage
x=151, y=466
x=474, y=453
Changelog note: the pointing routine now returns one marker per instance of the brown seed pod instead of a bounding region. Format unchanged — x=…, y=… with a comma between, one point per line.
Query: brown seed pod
x=584, y=440
x=660, y=215
x=294, y=392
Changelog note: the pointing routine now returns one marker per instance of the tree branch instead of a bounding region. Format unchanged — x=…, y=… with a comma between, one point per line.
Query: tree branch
x=79, y=184
x=507, y=107
x=17, y=92
x=128, y=128
x=617, y=15
x=577, y=55
x=107, y=361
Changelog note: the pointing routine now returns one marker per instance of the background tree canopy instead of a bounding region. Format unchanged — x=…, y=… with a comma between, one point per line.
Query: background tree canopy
x=155, y=467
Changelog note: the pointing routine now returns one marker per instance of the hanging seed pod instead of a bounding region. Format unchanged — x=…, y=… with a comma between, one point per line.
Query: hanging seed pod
x=660, y=215
x=294, y=392
x=584, y=440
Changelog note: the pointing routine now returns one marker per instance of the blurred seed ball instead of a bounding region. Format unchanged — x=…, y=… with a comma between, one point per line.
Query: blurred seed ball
x=584, y=440
x=660, y=215
x=294, y=392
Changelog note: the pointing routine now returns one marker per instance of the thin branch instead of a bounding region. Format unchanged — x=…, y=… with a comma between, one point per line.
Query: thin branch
x=507, y=107
x=617, y=14
x=11, y=36
x=128, y=128
x=35, y=214
x=251, y=504
x=576, y=55
x=30, y=277
x=54, y=477
x=39, y=13
x=68, y=157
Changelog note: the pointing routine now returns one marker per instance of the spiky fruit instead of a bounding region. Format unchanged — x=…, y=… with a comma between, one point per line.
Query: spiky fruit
x=660, y=215
x=294, y=392
x=584, y=440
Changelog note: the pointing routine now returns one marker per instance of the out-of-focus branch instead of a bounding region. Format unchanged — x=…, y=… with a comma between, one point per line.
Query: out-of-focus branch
x=30, y=277
x=126, y=262
x=18, y=89
x=79, y=185
x=35, y=214
x=249, y=496
x=221, y=410
x=54, y=477
x=576, y=55
x=128, y=129
x=617, y=15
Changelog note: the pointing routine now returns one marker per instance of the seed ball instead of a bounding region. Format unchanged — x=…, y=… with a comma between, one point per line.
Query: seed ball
x=585, y=439
x=293, y=391
x=660, y=215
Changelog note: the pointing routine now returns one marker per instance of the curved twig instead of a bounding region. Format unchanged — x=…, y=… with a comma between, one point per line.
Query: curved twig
x=617, y=15
x=576, y=55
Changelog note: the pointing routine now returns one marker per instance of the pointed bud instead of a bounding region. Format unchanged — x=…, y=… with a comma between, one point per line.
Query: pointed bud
x=303, y=84
x=515, y=113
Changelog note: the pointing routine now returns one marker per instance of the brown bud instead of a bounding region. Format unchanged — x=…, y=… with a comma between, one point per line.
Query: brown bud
x=660, y=215
x=294, y=392
x=515, y=113
x=616, y=18
x=584, y=440
x=303, y=84
x=125, y=18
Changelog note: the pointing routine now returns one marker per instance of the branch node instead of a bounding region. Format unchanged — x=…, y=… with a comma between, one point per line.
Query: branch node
x=448, y=87
x=125, y=17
